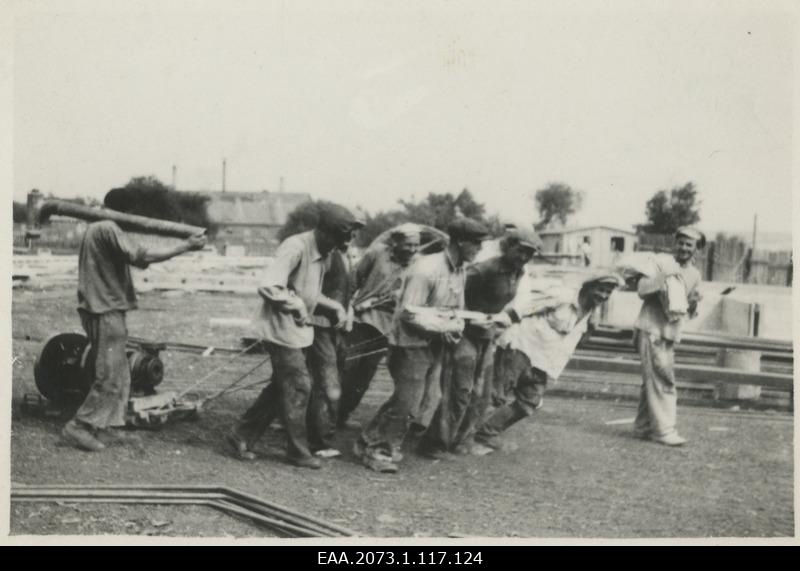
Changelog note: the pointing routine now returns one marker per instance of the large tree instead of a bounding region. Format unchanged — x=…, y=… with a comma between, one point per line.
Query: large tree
x=439, y=210
x=668, y=212
x=148, y=196
x=556, y=203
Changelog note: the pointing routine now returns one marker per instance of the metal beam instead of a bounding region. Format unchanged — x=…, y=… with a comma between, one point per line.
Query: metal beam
x=686, y=373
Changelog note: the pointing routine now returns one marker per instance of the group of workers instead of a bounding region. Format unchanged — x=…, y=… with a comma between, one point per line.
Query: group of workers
x=470, y=346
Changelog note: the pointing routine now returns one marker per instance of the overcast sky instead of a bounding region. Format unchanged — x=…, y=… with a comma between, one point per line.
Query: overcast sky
x=366, y=105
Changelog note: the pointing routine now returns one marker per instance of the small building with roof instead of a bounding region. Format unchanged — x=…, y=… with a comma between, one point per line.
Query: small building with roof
x=605, y=243
x=250, y=221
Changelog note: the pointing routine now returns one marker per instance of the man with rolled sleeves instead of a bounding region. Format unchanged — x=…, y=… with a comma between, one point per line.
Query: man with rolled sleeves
x=658, y=332
x=418, y=340
x=377, y=280
x=291, y=291
x=105, y=295
x=491, y=286
x=539, y=347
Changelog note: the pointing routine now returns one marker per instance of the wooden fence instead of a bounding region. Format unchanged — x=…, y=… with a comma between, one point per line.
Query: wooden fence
x=730, y=259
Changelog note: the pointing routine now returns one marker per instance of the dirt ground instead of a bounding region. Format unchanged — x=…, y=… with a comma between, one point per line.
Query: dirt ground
x=577, y=471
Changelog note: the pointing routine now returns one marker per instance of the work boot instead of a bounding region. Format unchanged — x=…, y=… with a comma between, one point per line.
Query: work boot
x=397, y=456
x=478, y=449
x=239, y=447
x=327, y=453
x=497, y=443
x=380, y=463
x=672, y=439
x=81, y=437
x=434, y=453
x=359, y=448
x=305, y=462
x=110, y=436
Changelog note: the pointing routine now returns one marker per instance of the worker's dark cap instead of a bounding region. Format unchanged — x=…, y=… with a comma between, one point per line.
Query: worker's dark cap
x=338, y=219
x=525, y=237
x=467, y=229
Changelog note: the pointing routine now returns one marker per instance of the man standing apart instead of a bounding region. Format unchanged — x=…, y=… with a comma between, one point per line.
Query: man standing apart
x=291, y=291
x=658, y=333
x=105, y=294
x=540, y=346
x=418, y=340
x=490, y=288
x=377, y=281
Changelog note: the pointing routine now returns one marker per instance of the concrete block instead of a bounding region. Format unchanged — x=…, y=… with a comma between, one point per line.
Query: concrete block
x=724, y=391
x=234, y=251
x=740, y=359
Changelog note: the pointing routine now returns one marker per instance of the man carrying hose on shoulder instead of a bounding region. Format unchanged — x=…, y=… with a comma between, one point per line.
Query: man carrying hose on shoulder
x=105, y=294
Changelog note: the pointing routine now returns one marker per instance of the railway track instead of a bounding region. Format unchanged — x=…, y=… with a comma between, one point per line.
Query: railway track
x=279, y=519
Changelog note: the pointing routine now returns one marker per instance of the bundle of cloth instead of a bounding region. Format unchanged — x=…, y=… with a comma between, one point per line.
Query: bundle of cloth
x=662, y=267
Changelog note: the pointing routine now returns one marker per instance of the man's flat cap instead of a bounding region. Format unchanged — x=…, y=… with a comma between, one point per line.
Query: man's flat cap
x=526, y=237
x=338, y=219
x=467, y=229
x=693, y=233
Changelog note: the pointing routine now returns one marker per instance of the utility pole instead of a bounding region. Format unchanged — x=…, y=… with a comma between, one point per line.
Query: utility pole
x=755, y=226
x=174, y=177
x=280, y=186
x=224, y=165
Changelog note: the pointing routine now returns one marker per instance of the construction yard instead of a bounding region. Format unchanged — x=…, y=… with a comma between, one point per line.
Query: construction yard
x=577, y=471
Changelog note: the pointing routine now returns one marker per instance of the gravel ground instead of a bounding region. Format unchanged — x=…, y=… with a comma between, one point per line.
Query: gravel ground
x=574, y=474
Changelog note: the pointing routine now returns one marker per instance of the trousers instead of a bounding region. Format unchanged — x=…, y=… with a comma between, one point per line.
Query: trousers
x=523, y=388
x=658, y=400
x=466, y=383
x=107, y=401
x=286, y=396
x=365, y=347
x=412, y=370
x=323, y=358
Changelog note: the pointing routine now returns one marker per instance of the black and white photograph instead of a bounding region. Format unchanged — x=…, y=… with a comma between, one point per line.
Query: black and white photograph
x=436, y=273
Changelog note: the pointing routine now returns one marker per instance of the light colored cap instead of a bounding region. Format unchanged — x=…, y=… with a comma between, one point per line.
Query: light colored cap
x=693, y=233
x=408, y=230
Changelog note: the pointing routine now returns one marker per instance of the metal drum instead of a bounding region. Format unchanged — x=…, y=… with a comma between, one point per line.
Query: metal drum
x=59, y=370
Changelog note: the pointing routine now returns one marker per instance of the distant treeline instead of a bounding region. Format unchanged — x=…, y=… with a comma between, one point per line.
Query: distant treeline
x=436, y=209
